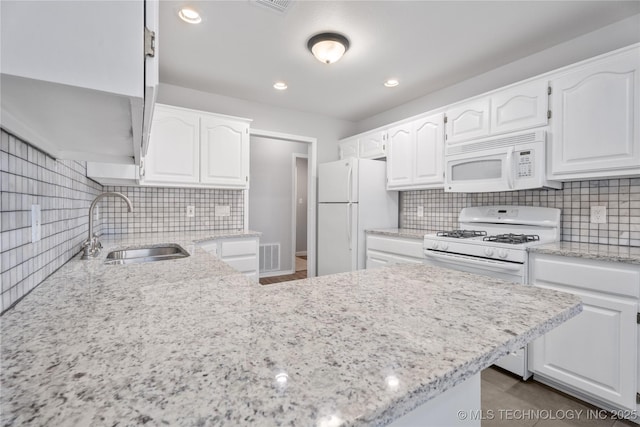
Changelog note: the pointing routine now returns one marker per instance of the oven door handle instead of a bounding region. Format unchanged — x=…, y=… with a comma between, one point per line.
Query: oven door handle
x=450, y=258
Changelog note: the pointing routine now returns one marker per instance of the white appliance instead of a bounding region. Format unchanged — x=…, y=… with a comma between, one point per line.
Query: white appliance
x=352, y=197
x=508, y=162
x=493, y=241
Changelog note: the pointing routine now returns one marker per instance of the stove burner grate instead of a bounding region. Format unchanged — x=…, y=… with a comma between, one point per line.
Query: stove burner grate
x=513, y=239
x=461, y=234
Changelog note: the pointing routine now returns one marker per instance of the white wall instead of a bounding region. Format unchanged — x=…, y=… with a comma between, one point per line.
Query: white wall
x=271, y=193
x=326, y=130
x=611, y=37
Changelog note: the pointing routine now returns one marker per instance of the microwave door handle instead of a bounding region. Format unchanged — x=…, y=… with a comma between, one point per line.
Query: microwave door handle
x=510, y=167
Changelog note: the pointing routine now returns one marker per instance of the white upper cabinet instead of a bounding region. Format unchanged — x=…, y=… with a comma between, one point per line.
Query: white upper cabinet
x=348, y=148
x=429, y=155
x=224, y=152
x=521, y=107
x=373, y=145
x=77, y=80
x=595, y=124
x=190, y=148
x=415, y=154
x=400, y=156
x=173, y=155
x=467, y=121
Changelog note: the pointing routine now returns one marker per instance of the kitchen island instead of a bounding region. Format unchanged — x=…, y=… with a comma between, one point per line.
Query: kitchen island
x=193, y=342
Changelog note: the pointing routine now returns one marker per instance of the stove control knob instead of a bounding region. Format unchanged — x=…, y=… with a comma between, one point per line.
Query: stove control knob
x=488, y=251
x=502, y=253
x=444, y=246
x=434, y=245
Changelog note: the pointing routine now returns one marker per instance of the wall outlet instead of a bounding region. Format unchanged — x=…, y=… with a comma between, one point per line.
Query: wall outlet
x=191, y=211
x=420, y=211
x=598, y=214
x=36, y=223
x=223, y=211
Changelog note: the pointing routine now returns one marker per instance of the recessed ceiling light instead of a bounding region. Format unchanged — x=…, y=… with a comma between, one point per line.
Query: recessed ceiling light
x=391, y=83
x=328, y=47
x=189, y=15
x=280, y=85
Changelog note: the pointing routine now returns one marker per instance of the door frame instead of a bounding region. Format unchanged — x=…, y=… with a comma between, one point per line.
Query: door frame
x=294, y=212
x=312, y=179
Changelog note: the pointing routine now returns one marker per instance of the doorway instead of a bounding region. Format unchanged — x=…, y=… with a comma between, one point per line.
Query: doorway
x=272, y=202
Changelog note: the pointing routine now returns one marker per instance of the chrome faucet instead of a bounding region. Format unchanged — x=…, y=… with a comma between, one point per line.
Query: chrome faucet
x=92, y=245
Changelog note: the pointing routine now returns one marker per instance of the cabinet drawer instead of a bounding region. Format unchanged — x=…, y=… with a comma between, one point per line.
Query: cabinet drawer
x=378, y=259
x=243, y=264
x=232, y=248
x=597, y=276
x=398, y=246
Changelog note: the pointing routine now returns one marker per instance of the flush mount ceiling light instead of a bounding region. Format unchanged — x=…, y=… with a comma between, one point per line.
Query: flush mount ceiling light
x=391, y=83
x=189, y=15
x=280, y=85
x=328, y=47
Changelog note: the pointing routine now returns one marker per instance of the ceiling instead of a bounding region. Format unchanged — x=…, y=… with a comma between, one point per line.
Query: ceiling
x=240, y=49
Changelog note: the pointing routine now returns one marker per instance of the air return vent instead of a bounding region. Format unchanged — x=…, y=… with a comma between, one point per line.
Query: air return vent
x=269, y=257
x=277, y=5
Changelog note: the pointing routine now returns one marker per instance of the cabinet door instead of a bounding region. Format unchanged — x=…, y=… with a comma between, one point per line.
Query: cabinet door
x=429, y=157
x=224, y=152
x=596, y=119
x=348, y=148
x=400, y=154
x=594, y=352
x=173, y=155
x=373, y=145
x=469, y=120
x=521, y=107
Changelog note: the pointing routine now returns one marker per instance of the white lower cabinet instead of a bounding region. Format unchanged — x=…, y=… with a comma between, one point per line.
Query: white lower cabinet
x=241, y=253
x=385, y=250
x=595, y=354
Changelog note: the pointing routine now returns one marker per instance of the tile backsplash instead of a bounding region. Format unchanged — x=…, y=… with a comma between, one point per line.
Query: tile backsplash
x=164, y=210
x=620, y=196
x=63, y=192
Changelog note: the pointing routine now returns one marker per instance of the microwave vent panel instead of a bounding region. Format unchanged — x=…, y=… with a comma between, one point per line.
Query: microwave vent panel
x=489, y=144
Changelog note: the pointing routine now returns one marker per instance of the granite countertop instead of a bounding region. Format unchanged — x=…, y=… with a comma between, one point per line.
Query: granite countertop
x=408, y=233
x=193, y=342
x=626, y=254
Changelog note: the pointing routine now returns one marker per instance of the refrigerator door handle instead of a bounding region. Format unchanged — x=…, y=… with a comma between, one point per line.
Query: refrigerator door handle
x=350, y=183
x=349, y=225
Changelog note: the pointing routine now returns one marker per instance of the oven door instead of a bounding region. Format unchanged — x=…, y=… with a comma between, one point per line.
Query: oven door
x=510, y=271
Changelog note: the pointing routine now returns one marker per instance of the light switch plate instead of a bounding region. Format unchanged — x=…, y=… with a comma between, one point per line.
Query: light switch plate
x=420, y=211
x=36, y=223
x=191, y=211
x=223, y=210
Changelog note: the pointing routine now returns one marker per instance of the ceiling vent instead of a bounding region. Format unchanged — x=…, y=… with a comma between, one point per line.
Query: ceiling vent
x=277, y=5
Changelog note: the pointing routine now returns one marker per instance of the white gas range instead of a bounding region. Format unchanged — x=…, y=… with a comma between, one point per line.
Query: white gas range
x=493, y=241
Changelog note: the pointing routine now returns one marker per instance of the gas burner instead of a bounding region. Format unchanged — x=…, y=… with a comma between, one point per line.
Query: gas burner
x=461, y=234
x=513, y=239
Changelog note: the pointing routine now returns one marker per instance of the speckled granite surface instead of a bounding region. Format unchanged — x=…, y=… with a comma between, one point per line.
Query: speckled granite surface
x=626, y=254
x=191, y=342
x=408, y=233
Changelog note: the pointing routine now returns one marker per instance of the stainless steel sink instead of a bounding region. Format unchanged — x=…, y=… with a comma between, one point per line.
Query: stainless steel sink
x=146, y=254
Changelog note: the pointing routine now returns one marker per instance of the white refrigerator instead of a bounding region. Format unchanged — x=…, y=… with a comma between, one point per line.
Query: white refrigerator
x=352, y=197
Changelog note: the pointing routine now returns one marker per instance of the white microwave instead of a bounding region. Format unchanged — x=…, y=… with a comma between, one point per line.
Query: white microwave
x=504, y=163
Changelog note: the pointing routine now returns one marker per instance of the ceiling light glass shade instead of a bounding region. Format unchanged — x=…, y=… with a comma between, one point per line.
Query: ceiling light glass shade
x=189, y=15
x=328, y=47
